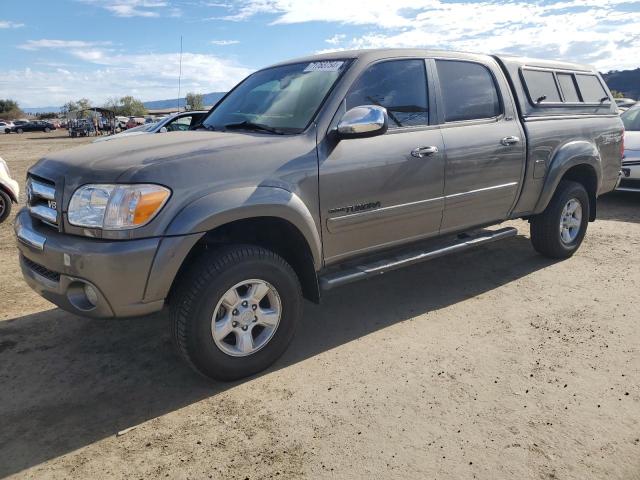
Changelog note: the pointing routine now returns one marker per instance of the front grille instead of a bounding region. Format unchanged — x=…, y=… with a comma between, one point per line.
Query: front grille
x=41, y=200
x=42, y=271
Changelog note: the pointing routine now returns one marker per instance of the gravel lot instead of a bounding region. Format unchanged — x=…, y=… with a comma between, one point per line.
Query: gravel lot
x=493, y=364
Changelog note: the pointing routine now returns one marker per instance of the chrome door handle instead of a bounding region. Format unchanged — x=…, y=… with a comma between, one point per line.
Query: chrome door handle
x=423, y=151
x=506, y=141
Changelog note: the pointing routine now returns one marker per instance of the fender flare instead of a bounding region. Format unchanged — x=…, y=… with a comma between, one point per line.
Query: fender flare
x=220, y=208
x=569, y=155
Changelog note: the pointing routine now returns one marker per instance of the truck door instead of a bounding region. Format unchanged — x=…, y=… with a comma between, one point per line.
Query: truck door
x=484, y=143
x=384, y=190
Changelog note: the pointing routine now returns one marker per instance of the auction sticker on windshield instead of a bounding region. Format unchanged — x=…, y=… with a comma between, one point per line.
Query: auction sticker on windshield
x=329, y=66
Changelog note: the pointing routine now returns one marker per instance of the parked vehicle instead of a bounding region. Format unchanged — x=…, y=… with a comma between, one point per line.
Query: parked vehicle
x=178, y=122
x=625, y=103
x=34, y=126
x=134, y=122
x=9, y=191
x=631, y=161
x=6, y=127
x=311, y=174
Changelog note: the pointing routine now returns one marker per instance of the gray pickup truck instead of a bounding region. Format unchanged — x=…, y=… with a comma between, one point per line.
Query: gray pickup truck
x=311, y=174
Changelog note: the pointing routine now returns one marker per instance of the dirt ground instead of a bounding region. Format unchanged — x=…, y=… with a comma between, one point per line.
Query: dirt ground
x=493, y=364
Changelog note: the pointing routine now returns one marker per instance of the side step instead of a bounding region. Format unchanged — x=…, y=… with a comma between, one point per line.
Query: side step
x=352, y=273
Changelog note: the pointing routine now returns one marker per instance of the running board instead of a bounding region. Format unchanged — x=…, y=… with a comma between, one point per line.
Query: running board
x=354, y=273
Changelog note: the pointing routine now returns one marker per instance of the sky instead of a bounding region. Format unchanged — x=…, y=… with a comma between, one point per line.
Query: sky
x=53, y=51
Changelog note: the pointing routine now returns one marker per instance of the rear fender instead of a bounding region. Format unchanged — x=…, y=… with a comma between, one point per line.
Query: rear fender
x=571, y=154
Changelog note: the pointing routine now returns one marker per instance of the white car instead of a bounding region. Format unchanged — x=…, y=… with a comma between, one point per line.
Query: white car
x=9, y=191
x=631, y=161
x=5, y=127
x=173, y=123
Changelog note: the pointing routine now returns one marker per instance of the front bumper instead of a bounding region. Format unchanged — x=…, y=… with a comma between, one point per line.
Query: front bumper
x=62, y=267
x=630, y=179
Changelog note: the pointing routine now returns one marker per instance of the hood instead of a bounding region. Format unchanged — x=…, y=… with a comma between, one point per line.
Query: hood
x=119, y=135
x=111, y=159
x=632, y=140
x=192, y=162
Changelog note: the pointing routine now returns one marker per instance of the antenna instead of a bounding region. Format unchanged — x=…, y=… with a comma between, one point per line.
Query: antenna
x=180, y=73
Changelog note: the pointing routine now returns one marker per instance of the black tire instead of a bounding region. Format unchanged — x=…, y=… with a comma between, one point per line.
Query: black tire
x=47, y=130
x=202, y=287
x=5, y=205
x=545, y=227
x=19, y=130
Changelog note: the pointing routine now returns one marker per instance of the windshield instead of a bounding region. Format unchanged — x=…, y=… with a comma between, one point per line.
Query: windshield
x=631, y=119
x=277, y=100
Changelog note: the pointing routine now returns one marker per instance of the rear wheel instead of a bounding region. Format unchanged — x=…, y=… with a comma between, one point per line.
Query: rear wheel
x=236, y=311
x=5, y=206
x=559, y=230
x=19, y=130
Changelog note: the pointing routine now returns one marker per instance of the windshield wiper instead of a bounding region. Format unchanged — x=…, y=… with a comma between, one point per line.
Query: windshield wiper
x=247, y=125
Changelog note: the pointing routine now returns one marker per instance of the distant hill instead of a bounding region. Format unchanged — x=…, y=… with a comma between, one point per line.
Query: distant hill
x=41, y=110
x=209, y=99
x=626, y=82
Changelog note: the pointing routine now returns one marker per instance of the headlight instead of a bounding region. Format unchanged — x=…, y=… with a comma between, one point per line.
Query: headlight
x=116, y=207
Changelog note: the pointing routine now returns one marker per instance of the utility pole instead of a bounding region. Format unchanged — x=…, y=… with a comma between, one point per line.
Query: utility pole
x=180, y=74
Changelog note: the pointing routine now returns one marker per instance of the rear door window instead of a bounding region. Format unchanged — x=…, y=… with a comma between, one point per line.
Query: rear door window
x=468, y=91
x=568, y=86
x=591, y=89
x=400, y=86
x=541, y=86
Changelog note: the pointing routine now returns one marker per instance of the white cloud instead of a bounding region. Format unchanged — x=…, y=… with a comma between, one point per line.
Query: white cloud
x=146, y=76
x=601, y=32
x=136, y=8
x=224, y=42
x=10, y=24
x=336, y=39
x=59, y=44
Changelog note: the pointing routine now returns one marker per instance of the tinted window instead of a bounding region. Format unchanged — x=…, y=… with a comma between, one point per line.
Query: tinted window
x=591, y=89
x=398, y=85
x=568, y=86
x=541, y=86
x=468, y=91
x=631, y=119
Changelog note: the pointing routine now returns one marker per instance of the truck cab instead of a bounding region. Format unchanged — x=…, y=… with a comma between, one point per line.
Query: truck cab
x=313, y=173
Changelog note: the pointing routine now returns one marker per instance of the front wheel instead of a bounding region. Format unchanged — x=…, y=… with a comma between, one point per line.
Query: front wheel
x=235, y=311
x=559, y=230
x=19, y=130
x=47, y=130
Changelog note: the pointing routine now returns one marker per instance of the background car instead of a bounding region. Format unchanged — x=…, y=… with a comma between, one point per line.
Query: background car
x=173, y=123
x=6, y=127
x=134, y=122
x=9, y=191
x=631, y=161
x=35, y=126
x=625, y=103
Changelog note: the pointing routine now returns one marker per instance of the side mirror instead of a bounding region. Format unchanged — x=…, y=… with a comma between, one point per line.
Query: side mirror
x=163, y=130
x=363, y=121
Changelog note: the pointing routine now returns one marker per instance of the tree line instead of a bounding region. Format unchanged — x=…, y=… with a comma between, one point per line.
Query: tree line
x=127, y=106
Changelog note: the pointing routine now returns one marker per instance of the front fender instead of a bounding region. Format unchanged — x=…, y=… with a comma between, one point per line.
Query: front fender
x=226, y=206
x=571, y=154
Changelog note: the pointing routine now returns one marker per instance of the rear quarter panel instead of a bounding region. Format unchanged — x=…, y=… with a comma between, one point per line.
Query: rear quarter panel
x=555, y=144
